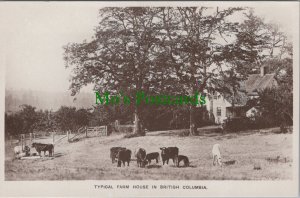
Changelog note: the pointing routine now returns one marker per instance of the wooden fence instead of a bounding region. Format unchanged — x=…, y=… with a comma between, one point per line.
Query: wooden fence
x=26, y=139
x=85, y=132
x=56, y=137
x=125, y=128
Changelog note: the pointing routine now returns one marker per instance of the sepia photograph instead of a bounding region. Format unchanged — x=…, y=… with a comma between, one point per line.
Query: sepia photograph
x=149, y=98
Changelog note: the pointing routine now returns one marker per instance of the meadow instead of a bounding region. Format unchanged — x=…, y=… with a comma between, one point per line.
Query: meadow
x=89, y=158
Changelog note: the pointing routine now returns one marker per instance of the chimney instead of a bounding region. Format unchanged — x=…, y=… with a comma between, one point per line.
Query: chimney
x=263, y=71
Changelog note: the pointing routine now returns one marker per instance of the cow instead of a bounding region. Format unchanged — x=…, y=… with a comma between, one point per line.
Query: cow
x=114, y=152
x=152, y=156
x=185, y=160
x=169, y=153
x=44, y=147
x=17, y=149
x=19, y=152
x=140, y=157
x=27, y=150
x=216, y=154
x=124, y=155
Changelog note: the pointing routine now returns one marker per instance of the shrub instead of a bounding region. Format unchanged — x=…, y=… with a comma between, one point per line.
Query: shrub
x=184, y=133
x=237, y=124
x=131, y=135
x=244, y=123
x=125, y=129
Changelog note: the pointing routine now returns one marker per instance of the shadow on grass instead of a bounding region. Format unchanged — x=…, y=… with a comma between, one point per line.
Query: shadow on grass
x=47, y=157
x=153, y=166
x=58, y=155
x=190, y=166
x=229, y=162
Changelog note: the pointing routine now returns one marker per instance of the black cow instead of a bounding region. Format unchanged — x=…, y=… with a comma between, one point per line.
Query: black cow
x=43, y=147
x=169, y=153
x=124, y=156
x=140, y=157
x=27, y=150
x=114, y=152
x=152, y=156
x=185, y=160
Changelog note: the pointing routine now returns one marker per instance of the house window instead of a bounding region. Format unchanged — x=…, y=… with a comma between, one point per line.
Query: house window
x=219, y=111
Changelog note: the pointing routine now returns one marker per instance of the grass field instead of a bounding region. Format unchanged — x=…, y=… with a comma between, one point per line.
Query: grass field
x=89, y=159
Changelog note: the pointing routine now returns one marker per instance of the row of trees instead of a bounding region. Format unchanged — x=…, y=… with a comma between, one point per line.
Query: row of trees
x=29, y=120
x=276, y=107
x=169, y=49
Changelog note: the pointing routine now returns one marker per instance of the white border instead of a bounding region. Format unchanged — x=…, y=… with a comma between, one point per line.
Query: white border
x=215, y=188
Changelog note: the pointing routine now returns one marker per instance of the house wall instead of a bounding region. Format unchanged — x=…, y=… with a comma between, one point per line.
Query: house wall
x=213, y=104
x=252, y=112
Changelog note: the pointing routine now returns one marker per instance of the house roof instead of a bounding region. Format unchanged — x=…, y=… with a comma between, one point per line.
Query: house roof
x=256, y=83
x=251, y=87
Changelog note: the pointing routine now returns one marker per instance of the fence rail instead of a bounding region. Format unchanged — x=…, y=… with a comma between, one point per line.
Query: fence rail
x=58, y=137
x=85, y=132
x=124, y=128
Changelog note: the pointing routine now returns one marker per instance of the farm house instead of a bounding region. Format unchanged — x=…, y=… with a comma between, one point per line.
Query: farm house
x=220, y=106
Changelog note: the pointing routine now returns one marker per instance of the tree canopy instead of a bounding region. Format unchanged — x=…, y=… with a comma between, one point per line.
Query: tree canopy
x=169, y=49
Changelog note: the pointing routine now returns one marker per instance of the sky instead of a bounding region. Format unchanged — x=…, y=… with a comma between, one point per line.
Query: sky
x=33, y=34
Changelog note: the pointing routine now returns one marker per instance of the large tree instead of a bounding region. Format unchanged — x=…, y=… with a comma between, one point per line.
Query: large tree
x=196, y=40
x=121, y=57
x=168, y=50
x=282, y=96
x=260, y=41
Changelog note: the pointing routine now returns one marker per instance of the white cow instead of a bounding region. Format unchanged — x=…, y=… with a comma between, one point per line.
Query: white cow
x=216, y=154
x=18, y=151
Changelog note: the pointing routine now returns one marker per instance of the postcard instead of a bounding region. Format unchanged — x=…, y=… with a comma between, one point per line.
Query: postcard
x=149, y=99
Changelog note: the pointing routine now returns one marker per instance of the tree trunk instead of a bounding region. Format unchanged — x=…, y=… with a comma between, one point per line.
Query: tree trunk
x=193, y=128
x=138, y=129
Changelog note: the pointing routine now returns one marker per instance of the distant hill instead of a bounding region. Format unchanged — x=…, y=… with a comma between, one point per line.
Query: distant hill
x=46, y=100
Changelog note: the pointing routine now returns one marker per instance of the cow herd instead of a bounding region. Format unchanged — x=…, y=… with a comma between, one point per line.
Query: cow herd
x=123, y=155
x=143, y=158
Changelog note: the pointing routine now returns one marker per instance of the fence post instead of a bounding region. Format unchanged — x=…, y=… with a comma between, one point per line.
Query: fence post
x=105, y=130
x=68, y=135
x=21, y=137
x=30, y=137
x=53, y=137
x=117, y=123
x=22, y=141
x=86, y=135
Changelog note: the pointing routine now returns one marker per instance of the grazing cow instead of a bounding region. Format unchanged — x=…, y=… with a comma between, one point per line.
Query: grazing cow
x=141, y=157
x=152, y=156
x=216, y=154
x=185, y=160
x=43, y=147
x=124, y=156
x=114, y=152
x=169, y=153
